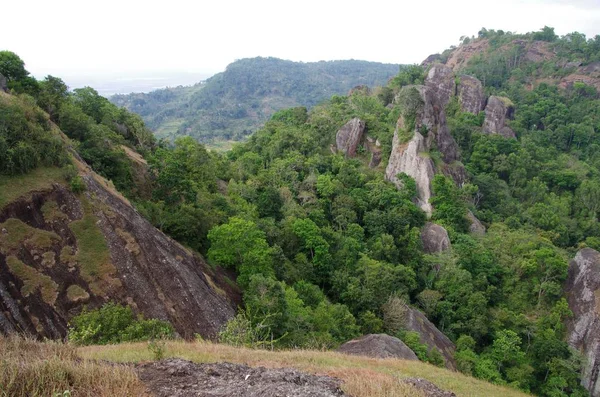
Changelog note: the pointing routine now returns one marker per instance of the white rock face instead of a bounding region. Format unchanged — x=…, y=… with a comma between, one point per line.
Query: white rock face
x=410, y=159
x=583, y=293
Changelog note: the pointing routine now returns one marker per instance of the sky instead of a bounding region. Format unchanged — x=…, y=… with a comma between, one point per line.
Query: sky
x=129, y=39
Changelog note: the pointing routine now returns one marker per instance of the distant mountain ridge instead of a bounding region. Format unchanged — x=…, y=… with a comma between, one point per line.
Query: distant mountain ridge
x=232, y=104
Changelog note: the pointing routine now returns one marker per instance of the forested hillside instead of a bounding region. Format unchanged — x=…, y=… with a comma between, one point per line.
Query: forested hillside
x=455, y=195
x=231, y=105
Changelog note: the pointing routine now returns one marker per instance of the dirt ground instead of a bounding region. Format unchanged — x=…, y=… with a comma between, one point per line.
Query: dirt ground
x=177, y=377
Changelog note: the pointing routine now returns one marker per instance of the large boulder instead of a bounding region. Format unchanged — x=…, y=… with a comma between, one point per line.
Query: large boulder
x=3, y=84
x=409, y=158
x=583, y=294
x=378, y=346
x=476, y=226
x=441, y=82
x=349, y=137
x=431, y=336
x=497, y=111
x=470, y=94
x=434, y=238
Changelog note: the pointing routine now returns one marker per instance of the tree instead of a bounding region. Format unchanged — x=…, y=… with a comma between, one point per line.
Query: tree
x=12, y=67
x=241, y=245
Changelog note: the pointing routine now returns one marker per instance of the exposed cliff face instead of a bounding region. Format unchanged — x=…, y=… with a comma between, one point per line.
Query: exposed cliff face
x=349, y=137
x=476, y=226
x=409, y=158
x=583, y=293
x=441, y=83
x=470, y=94
x=3, y=86
x=434, y=238
x=59, y=251
x=378, y=346
x=374, y=147
x=431, y=336
x=497, y=111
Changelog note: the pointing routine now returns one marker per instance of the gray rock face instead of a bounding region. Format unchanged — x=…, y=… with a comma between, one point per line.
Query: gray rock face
x=497, y=111
x=431, y=336
x=440, y=81
x=374, y=147
x=583, y=294
x=349, y=136
x=476, y=226
x=3, y=86
x=434, y=238
x=470, y=94
x=408, y=158
x=378, y=346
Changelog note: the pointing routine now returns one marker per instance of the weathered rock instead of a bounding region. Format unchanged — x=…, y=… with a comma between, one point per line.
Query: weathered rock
x=360, y=89
x=434, y=238
x=441, y=84
x=431, y=59
x=349, y=136
x=476, y=226
x=3, y=86
x=431, y=336
x=428, y=388
x=145, y=269
x=178, y=378
x=583, y=294
x=374, y=147
x=409, y=158
x=378, y=346
x=470, y=94
x=497, y=111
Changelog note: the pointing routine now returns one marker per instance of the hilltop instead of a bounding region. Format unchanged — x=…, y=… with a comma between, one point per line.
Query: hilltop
x=231, y=105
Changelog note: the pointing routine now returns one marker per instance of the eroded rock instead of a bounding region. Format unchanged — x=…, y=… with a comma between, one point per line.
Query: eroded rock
x=409, y=158
x=378, y=346
x=497, y=111
x=476, y=226
x=441, y=83
x=434, y=238
x=471, y=95
x=583, y=294
x=349, y=136
x=431, y=336
x=374, y=147
x=3, y=83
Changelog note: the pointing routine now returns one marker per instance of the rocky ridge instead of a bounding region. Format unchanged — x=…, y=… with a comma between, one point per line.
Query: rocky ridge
x=378, y=346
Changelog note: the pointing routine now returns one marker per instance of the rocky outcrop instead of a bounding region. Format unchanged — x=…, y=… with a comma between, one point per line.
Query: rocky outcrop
x=349, y=137
x=378, y=346
x=497, y=111
x=583, y=294
x=470, y=94
x=431, y=59
x=441, y=83
x=3, y=83
x=431, y=336
x=434, y=238
x=374, y=147
x=92, y=248
x=476, y=226
x=409, y=158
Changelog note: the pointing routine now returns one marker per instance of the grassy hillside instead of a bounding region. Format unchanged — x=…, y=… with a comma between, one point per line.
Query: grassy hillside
x=233, y=104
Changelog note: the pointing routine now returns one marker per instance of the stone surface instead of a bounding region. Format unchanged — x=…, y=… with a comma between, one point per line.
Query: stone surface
x=497, y=111
x=470, y=94
x=378, y=346
x=440, y=82
x=431, y=59
x=431, y=336
x=374, y=147
x=178, y=378
x=434, y=238
x=349, y=137
x=583, y=294
x=476, y=226
x=428, y=388
x=409, y=158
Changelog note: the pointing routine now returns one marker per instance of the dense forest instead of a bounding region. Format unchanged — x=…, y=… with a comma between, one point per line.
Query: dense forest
x=233, y=104
x=325, y=249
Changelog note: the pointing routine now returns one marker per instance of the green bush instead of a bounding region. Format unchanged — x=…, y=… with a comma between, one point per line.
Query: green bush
x=113, y=323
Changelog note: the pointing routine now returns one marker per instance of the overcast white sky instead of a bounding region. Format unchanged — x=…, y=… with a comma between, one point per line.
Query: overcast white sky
x=130, y=37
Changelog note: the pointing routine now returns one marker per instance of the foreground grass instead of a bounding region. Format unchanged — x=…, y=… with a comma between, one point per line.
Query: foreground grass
x=363, y=377
x=30, y=368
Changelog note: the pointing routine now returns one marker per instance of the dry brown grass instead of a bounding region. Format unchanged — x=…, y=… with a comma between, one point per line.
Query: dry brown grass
x=363, y=377
x=30, y=368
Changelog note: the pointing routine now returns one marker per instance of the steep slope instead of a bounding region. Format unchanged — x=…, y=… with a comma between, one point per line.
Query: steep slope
x=60, y=251
x=234, y=103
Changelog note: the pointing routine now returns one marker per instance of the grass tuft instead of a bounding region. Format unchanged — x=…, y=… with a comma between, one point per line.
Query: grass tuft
x=42, y=178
